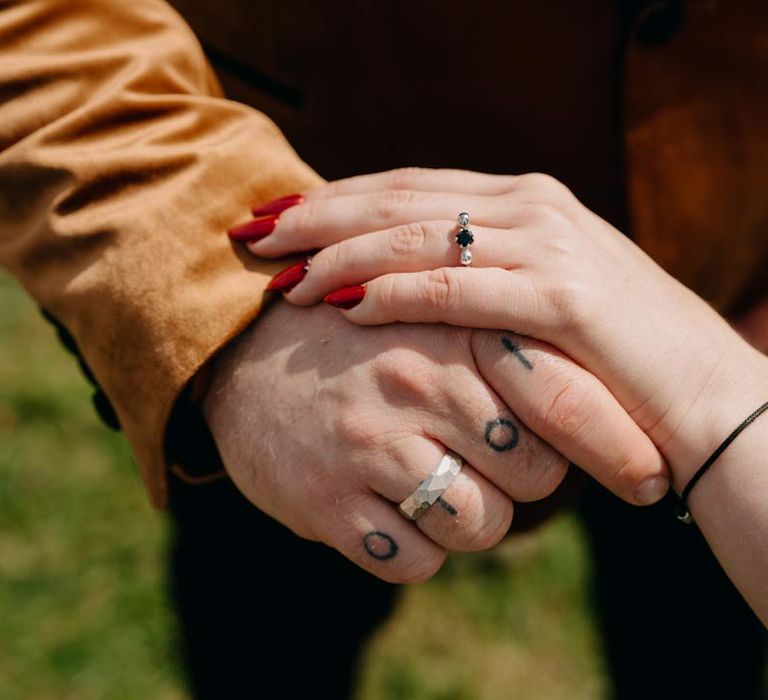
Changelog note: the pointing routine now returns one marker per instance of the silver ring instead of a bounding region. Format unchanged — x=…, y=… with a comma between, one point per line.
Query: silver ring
x=434, y=486
x=465, y=238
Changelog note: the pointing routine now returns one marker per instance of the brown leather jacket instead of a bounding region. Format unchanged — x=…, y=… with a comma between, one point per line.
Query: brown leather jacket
x=122, y=164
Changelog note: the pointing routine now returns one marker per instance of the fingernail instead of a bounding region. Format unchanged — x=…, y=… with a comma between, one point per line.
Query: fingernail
x=252, y=231
x=286, y=280
x=651, y=490
x=278, y=205
x=346, y=297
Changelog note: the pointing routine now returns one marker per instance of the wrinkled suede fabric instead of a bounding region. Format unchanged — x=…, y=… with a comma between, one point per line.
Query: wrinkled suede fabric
x=121, y=167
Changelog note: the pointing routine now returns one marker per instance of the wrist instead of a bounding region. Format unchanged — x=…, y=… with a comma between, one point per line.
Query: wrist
x=733, y=393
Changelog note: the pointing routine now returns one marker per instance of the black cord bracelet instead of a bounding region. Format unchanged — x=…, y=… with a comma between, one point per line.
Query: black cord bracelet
x=683, y=514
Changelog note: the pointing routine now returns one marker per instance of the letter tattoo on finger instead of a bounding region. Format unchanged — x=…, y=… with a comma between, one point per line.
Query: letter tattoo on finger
x=380, y=545
x=515, y=349
x=501, y=434
x=447, y=507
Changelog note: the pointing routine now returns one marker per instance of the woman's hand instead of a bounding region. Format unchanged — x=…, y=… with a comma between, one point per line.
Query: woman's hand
x=544, y=266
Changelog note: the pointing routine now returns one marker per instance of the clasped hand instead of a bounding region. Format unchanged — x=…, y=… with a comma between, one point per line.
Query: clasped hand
x=345, y=420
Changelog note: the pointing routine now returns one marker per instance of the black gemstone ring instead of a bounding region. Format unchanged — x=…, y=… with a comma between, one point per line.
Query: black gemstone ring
x=465, y=238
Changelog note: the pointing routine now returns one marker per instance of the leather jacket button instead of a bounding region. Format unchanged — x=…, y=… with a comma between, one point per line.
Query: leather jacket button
x=659, y=21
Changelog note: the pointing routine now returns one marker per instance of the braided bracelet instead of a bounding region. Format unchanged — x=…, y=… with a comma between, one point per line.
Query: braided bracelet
x=683, y=514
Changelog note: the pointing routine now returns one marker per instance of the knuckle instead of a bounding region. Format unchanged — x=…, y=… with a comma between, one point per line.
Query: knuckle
x=330, y=258
x=560, y=247
x=338, y=488
x=550, y=475
x=491, y=531
x=387, y=293
x=405, y=375
x=545, y=469
x=629, y=471
x=356, y=426
x=545, y=184
x=564, y=415
x=328, y=190
x=485, y=346
x=334, y=496
x=389, y=203
x=568, y=301
x=300, y=219
x=507, y=184
x=405, y=178
x=441, y=289
x=550, y=217
x=636, y=466
x=408, y=239
x=321, y=485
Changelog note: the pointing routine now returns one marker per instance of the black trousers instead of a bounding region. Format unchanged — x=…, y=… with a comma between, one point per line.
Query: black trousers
x=261, y=610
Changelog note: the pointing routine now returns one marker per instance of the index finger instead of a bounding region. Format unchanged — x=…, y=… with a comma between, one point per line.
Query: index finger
x=419, y=179
x=573, y=411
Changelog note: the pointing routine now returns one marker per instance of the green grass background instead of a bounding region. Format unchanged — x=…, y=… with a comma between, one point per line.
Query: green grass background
x=83, y=607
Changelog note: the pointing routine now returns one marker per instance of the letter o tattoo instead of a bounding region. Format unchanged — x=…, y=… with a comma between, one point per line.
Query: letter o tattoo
x=380, y=545
x=502, y=443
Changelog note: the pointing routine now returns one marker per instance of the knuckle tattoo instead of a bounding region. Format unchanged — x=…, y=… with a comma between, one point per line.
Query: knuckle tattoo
x=501, y=434
x=447, y=507
x=380, y=545
x=513, y=346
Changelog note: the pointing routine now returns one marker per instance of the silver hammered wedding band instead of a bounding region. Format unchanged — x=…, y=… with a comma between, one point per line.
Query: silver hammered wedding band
x=465, y=238
x=434, y=486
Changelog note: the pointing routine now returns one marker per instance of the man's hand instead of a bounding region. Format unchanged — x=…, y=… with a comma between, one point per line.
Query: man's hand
x=327, y=427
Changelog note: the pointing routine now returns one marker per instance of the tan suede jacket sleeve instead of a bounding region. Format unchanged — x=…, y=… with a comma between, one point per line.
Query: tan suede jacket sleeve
x=121, y=167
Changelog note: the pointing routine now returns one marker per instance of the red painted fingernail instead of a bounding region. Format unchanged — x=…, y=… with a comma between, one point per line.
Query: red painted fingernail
x=278, y=205
x=286, y=280
x=252, y=231
x=346, y=297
